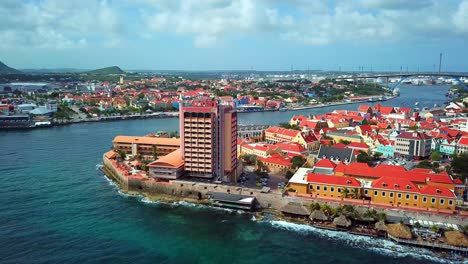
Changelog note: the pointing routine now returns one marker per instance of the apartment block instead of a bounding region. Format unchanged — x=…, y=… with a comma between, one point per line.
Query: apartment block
x=208, y=132
x=411, y=145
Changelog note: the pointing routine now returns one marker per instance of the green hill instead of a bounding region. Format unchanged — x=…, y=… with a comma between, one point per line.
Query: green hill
x=4, y=69
x=106, y=71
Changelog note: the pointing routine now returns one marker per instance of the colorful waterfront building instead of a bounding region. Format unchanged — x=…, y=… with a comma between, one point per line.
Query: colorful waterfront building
x=447, y=147
x=386, y=148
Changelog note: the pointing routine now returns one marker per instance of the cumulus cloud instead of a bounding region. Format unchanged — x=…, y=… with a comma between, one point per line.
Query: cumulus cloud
x=460, y=19
x=310, y=22
x=76, y=23
x=210, y=20
x=56, y=24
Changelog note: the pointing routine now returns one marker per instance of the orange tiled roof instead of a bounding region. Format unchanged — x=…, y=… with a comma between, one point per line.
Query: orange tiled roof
x=147, y=140
x=173, y=160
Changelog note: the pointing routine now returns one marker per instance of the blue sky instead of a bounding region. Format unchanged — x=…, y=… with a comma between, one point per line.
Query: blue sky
x=235, y=34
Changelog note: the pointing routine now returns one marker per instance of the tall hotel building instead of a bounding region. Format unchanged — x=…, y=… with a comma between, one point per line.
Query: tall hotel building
x=208, y=133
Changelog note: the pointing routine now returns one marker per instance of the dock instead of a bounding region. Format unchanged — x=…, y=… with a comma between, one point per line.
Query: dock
x=431, y=245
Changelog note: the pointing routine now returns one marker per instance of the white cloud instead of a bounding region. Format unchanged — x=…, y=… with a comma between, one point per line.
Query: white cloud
x=397, y=4
x=56, y=24
x=460, y=19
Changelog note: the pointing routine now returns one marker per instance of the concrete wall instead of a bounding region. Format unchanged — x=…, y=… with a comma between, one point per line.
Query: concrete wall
x=111, y=171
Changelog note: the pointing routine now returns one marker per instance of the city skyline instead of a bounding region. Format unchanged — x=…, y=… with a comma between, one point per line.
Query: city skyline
x=235, y=35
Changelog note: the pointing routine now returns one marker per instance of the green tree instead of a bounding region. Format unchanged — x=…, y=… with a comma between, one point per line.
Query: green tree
x=155, y=152
x=435, y=156
x=174, y=134
x=326, y=209
x=121, y=153
x=344, y=141
x=314, y=206
x=425, y=164
x=377, y=155
x=459, y=166
x=297, y=162
x=363, y=157
x=344, y=192
x=289, y=175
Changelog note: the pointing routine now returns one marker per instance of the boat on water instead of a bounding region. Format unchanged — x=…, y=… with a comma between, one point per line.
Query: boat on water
x=283, y=109
x=250, y=108
x=416, y=103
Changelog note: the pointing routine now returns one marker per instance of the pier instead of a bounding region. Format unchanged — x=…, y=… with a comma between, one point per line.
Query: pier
x=431, y=245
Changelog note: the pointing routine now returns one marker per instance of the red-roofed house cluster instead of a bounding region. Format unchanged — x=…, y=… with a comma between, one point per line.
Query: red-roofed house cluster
x=384, y=185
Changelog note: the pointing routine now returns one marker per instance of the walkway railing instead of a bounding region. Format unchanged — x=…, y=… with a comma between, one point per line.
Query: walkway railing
x=429, y=244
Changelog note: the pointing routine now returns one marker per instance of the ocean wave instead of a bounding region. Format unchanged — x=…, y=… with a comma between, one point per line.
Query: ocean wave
x=377, y=245
x=110, y=181
x=146, y=200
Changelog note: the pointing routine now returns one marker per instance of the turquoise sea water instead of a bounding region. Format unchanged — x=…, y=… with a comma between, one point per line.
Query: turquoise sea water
x=55, y=207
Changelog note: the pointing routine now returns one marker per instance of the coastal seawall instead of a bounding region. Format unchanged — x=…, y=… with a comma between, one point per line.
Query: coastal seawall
x=273, y=200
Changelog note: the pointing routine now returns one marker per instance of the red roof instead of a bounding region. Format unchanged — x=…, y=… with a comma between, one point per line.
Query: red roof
x=325, y=163
x=365, y=128
x=339, y=145
x=437, y=191
x=359, y=145
x=463, y=141
x=413, y=135
x=364, y=108
x=406, y=110
x=291, y=147
x=332, y=180
x=386, y=110
x=282, y=131
x=276, y=159
x=395, y=184
x=457, y=181
x=425, y=177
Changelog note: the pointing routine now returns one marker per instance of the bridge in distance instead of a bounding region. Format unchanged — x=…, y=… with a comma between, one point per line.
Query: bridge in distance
x=404, y=76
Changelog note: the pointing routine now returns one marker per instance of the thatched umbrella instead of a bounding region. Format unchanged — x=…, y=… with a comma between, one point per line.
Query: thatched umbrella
x=456, y=238
x=318, y=215
x=295, y=209
x=399, y=230
x=380, y=226
x=342, y=221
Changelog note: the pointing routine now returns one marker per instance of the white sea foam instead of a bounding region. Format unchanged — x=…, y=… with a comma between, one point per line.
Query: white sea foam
x=381, y=246
x=111, y=182
x=148, y=201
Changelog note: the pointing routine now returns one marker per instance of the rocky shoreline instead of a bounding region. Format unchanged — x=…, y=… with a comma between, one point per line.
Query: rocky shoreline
x=271, y=214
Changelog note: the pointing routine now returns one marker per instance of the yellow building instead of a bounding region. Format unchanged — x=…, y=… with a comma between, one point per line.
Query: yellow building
x=344, y=135
x=146, y=147
x=387, y=191
x=279, y=134
x=402, y=192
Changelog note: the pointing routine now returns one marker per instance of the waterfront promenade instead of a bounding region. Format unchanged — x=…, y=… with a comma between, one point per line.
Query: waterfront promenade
x=193, y=190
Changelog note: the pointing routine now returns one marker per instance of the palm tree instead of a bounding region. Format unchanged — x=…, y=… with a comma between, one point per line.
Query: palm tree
x=355, y=193
x=345, y=192
x=155, y=152
x=326, y=209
